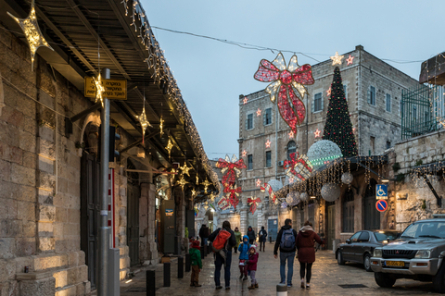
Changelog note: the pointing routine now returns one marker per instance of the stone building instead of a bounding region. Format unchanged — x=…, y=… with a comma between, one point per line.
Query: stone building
x=373, y=90
x=50, y=149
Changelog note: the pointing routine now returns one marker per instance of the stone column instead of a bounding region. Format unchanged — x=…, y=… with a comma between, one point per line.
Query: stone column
x=243, y=219
x=261, y=221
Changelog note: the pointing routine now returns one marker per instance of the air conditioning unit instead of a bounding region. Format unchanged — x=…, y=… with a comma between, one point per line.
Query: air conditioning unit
x=280, y=163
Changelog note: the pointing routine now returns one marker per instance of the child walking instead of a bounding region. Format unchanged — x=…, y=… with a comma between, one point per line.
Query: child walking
x=243, y=257
x=251, y=267
x=195, y=257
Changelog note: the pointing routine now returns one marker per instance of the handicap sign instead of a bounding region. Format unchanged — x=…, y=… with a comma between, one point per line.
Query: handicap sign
x=381, y=191
x=381, y=205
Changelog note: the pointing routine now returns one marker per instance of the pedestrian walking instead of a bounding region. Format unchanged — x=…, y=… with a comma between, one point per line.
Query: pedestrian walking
x=243, y=257
x=251, y=234
x=262, y=238
x=195, y=258
x=286, y=241
x=204, y=235
x=306, y=252
x=223, y=240
x=252, y=266
x=238, y=239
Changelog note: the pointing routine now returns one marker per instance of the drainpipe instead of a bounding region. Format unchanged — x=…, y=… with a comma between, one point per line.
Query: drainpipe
x=276, y=141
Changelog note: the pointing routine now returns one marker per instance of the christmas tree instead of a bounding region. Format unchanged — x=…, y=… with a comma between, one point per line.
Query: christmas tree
x=338, y=127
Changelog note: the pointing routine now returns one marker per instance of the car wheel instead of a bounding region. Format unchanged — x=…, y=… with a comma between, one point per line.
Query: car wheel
x=439, y=280
x=340, y=258
x=367, y=262
x=384, y=280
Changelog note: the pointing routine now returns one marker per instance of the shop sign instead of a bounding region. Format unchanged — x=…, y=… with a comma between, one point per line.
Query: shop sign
x=114, y=89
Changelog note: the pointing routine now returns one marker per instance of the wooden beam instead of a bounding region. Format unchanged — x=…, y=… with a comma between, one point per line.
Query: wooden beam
x=74, y=6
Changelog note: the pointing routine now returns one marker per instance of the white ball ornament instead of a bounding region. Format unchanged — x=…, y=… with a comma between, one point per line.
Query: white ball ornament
x=289, y=198
x=323, y=152
x=330, y=192
x=304, y=196
x=347, y=178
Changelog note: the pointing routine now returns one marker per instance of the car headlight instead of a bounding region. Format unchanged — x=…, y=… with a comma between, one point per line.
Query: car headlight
x=377, y=253
x=423, y=254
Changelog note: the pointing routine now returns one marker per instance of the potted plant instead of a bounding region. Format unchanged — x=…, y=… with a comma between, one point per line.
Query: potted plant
x=79, y=148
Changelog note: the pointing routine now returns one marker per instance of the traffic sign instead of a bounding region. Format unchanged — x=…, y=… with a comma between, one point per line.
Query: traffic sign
x=381, y=191
x=381, y=205
x=114, y=89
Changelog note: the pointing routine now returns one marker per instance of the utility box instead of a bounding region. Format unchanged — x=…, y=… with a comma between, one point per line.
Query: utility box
x=168, y=227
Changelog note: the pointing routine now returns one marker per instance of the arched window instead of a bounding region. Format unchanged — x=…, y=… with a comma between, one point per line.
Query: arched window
x=291, y=148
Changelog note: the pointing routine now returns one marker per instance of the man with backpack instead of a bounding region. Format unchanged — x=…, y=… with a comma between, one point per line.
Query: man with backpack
x=286, y=240
x=223, y=240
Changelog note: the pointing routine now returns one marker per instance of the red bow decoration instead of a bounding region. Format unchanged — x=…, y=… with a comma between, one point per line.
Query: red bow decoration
x=298, y=166
x=268, y=188
x=232, y=167
x=252, y=202
x=286, y=83
x=232, y=194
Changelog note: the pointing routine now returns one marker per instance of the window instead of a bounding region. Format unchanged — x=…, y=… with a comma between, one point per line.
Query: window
x=249, y=121
x=348, y=212
x=345, y=89
x=371, y=146
x=388, y=102
x=267, y=117
x=291, y=148
x=268, y=159
x=364, y=237
x=318, y=103
x=388, y=144
x=250, y=162
x=371, y=95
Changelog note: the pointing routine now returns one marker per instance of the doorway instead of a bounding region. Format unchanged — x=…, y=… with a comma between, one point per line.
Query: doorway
x=371, y=215
x=272, y=228
x=133, y=195
x=330, y=208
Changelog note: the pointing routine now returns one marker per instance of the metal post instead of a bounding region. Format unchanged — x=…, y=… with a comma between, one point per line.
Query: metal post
x=150, y=283
x=180, y=267
x=104, y=244
x=188, y=263
x=281, y=290
x=167, y=274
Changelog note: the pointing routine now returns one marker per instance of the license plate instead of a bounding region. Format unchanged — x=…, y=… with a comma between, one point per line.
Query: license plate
x=395, y=263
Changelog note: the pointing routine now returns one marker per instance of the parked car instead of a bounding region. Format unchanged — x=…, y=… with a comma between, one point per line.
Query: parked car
x=360, y=246
x=418, y=254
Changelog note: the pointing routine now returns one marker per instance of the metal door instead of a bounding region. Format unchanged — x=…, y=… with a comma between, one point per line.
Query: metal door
x=133, y=194
x=331, y=226
x=272, y=227
x=89, y=214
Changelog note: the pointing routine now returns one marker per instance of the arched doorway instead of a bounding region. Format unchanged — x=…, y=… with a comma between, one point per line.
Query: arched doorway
x=133, y=195
x=371, y=217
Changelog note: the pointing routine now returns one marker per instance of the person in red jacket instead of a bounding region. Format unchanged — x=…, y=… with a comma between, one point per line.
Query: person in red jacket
x=251, y=266
x=306, y=252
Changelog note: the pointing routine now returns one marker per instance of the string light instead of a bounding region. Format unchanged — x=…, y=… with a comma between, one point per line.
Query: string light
x=336, y=59
x=33, y=35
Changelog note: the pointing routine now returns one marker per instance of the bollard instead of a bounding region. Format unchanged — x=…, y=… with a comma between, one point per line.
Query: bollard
x=150, y=283
x=281, y=290
x=167, y=274
x=188, y=264
x=180, y=267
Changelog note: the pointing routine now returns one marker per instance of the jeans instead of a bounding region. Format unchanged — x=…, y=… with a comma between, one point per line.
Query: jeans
x=204, y=241
x=219, y=261
x=263, y=245
x=290, y=256
x=252, y=277
x=306, y=268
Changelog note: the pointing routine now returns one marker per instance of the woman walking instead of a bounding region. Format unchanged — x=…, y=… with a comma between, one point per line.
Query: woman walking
x=238, y=238
x=251, y=234
x=306, y=252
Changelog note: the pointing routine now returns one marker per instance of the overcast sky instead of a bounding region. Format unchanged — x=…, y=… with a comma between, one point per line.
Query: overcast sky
x=212, y=75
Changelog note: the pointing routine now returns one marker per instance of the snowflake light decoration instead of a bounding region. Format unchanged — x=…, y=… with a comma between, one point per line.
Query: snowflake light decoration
x=336, y=59
x=286, y=83
x=33, y=35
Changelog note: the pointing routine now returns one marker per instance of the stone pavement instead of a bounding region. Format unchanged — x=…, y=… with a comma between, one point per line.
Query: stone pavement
x=326, y=278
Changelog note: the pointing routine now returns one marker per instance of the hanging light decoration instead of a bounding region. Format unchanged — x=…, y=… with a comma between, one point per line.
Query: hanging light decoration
x=330, y=192
x=284, y=205
x=323, y=152
x=141, y=152
x=347, y=178
x=185, y=169
x=304, y=196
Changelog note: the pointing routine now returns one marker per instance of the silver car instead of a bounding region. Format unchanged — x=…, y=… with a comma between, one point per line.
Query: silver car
x=418, y=254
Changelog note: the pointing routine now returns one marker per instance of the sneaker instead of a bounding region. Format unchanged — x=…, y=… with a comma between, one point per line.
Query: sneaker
x=289, y=285
x=228, y=288
x=308, y=286
x=218, y=288
x=302, y=285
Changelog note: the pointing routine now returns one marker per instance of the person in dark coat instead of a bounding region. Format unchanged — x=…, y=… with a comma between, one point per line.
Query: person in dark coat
x=251, y=234
x=204, y=235
x=220, y=260
x=286, y=235
x=262, y=238
x=306, y=251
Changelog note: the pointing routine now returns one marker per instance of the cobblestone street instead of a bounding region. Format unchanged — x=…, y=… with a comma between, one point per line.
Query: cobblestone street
x=327, y=277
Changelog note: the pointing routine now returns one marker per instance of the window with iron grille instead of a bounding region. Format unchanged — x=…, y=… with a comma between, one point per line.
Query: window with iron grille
x=250, y=162
x=268, y=159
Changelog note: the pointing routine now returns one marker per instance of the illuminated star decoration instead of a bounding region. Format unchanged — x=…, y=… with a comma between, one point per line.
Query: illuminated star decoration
x=182, y=181
x=194, y=193
x=206, y=184
x=287, y=87
x=244, y=153
x=32, y=32
x=317, y=133
x=169, y=147
x=144, y=123
x=350, y=60
x=185, y=169
x=268, y=143
x=252, y=202
x=291, y=135
x=231, y=168
x=161, y=127
x=258, y=183
x=336, y=59
x=99, y=89
x=258, y=112
x=245, y=100
x=328, y=92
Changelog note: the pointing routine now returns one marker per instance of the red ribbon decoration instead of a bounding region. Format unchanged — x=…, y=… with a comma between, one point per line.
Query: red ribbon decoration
x=232, y=170
x=253, y=203
x=285, y=80
x=232, y=194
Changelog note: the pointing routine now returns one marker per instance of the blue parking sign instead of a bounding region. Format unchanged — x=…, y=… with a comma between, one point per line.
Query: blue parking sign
x=381, y=191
